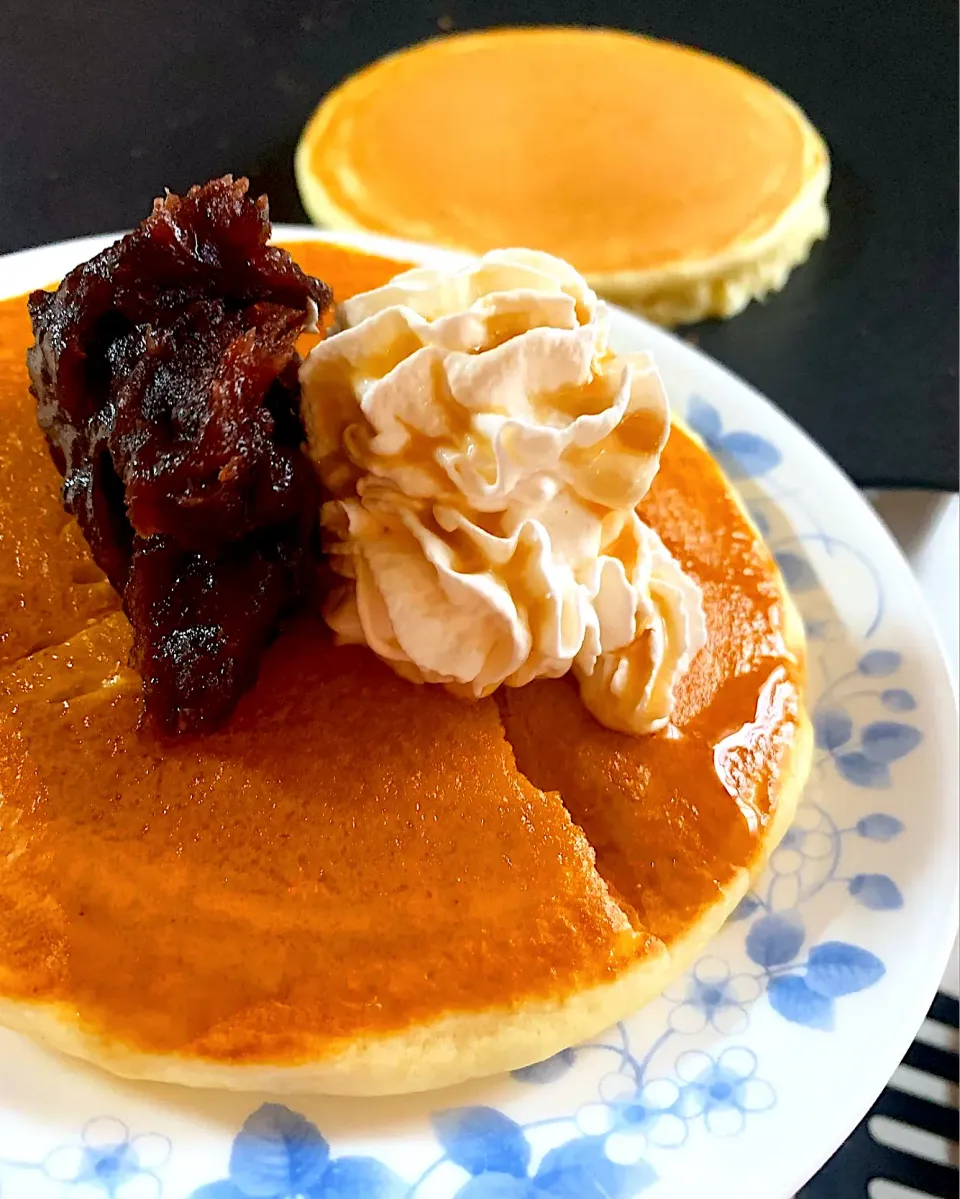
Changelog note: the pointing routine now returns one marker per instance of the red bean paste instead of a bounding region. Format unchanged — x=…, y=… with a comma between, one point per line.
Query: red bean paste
x=165, y=374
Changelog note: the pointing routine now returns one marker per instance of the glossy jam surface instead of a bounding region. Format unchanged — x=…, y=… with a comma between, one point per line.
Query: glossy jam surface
x=618, y=153
x=323, y=865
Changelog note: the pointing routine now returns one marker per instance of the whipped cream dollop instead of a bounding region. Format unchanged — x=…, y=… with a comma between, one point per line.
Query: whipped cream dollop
x=486, y=451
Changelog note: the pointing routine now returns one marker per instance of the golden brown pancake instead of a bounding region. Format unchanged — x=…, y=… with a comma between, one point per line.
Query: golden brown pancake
x=674, y=181
x=359, y=884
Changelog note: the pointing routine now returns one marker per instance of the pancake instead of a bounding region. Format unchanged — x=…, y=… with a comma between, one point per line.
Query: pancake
x=360, y=885
x=677, y=183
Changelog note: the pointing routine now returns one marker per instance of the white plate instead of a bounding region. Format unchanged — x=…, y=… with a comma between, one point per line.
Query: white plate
x=748, y=1073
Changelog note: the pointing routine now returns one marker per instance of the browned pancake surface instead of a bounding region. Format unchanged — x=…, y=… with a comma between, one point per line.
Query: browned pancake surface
x=352, y=853
x=674, y=815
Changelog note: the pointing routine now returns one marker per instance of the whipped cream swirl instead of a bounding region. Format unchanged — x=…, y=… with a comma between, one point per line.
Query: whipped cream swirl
x=486, y=451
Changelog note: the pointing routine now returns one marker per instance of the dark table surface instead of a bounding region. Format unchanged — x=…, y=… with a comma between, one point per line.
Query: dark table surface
x=108, y=101
x=105, y=102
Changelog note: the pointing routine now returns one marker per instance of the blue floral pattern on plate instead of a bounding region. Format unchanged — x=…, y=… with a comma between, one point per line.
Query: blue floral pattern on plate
x=279, y=1154
x=106, y=1160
